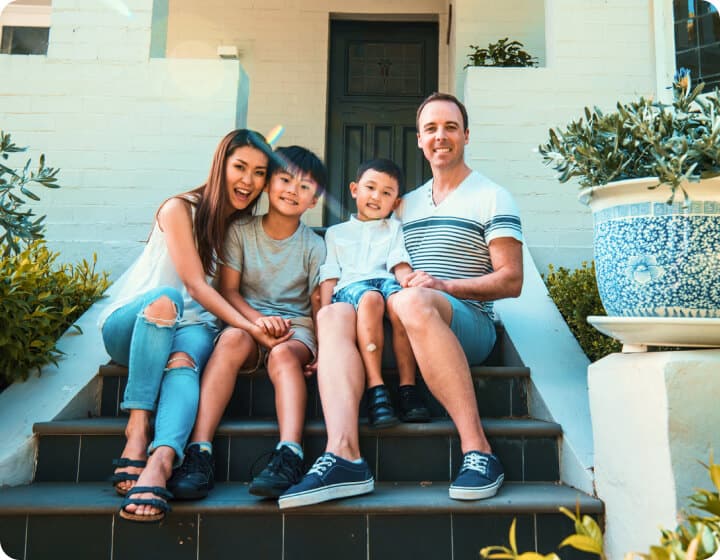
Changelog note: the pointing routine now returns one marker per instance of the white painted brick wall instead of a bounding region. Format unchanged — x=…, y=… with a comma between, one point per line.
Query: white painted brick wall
x=601, y=52
x=126, y=131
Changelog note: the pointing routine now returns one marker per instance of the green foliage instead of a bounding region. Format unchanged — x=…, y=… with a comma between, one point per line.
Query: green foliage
x=20, y=224
x=39, y=300
x=588, y=536
x=503, y=53
x=576, y=295
x=511, y=552
x=674, y=142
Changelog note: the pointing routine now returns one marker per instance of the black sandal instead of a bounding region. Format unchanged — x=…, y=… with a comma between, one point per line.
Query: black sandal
x=125, y=476
x=160, y=502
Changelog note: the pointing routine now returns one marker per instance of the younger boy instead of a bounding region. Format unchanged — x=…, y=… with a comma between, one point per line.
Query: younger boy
x=270, y=270
x=366, y=262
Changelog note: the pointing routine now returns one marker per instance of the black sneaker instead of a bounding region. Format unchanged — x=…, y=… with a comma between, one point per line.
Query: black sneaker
x=379, y=407
x=412, y=408
x=195, y=477
x=481, y=475
x=330, y=478
x=283, y=470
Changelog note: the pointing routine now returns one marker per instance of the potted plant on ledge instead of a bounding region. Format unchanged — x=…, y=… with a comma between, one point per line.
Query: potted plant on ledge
x=650, y=173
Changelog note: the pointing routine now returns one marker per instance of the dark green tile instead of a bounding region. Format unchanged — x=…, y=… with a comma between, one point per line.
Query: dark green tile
x=249, y=455
x=313, y=408
x=410, y=537
x=508, y=450
x=221, y=452
x=12, y=535
x=175, y=537
x=57, y=459
x=325, y=537
x=493, y=396
x=96, y=455
x=239, y=405
x=518, y=396
x=80, y=537
x=263, y=397
x=413, y=458
x=231, y=537
x=110, y=400
x=541, y=459
x=552, y=529
x=473, y=532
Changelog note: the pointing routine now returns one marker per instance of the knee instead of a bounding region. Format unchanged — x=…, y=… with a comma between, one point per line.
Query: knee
x=280, y=357
x=335, y=315
x=234, y=341
x=411, y=307
x=180, y=360
x=372, y=304
x=161, y=311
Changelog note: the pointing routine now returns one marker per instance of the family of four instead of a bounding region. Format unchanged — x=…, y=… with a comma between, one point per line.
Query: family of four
x=291, y=303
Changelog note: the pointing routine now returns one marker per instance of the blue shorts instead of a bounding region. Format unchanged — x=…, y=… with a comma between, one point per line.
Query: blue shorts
x=353, y=293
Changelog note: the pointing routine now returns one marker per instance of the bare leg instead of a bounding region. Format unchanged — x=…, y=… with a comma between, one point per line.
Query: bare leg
x=370, y=332
x=234, y=349
x=401, y=348
x=426, y=315
x=341, y=378
x=285, y=368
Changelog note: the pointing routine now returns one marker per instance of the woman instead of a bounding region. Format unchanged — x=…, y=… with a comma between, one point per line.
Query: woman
x=160, y=322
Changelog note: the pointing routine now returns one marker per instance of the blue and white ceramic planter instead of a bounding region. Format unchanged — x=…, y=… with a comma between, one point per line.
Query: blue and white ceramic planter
x=653, y=259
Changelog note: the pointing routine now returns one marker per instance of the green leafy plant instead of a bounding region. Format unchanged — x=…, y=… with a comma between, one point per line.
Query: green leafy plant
x=674, y=142
x=19, y=223
x=576, y=296
x=504, y=53
x=39, y=300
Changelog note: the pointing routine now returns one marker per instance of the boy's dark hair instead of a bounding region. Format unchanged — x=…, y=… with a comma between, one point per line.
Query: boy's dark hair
x=383, y=165
x=302, y=160
x=442, y=97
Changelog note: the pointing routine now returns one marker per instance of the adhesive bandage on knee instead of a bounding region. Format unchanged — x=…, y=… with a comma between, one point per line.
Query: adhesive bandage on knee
x=371, y=347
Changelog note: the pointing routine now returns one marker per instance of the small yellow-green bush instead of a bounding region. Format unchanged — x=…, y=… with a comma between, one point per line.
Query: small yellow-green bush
x=576, y=295
x=39, y=300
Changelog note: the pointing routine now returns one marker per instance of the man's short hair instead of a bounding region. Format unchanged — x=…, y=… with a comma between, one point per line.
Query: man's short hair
x=437, y=96
x=301, y=160
x=382, y=165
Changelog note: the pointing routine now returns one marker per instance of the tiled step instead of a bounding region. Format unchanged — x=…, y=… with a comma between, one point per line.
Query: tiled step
x=82, y=450
x=396, y=522
x=501, y=392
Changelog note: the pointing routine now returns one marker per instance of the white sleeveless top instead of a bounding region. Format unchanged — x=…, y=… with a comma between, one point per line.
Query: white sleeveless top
x=152, y=269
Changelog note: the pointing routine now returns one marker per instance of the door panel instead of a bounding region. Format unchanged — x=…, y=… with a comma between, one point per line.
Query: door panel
x=379, y=74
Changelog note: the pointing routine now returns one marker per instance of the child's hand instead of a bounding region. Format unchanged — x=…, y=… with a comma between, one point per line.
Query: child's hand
x=274, y=326
x=269, y=341
x=310, y=369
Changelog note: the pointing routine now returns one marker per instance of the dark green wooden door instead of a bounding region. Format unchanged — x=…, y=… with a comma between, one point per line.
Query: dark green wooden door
x=379, y=74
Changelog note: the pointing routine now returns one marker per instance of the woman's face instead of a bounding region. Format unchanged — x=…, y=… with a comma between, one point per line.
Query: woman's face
x=245, y=176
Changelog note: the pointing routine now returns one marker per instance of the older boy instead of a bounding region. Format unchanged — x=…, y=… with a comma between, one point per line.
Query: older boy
x=271, y=269
x=366, y=260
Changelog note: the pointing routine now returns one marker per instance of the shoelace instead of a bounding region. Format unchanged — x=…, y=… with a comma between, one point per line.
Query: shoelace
x=323, y=463
x=282, y=462
x=476, y=462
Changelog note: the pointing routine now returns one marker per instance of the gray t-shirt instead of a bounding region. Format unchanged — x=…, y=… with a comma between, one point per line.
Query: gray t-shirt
x=277, y=276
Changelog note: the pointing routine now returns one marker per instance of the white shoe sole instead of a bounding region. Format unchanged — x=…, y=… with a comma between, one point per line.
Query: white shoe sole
x=465, y=493
x=326, y=493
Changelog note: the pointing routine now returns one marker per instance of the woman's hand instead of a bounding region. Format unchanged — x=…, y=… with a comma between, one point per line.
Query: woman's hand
x=267, y=340
x=273, y=325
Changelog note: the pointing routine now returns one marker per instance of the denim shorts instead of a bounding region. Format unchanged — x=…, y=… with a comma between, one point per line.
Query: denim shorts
x=353, y=293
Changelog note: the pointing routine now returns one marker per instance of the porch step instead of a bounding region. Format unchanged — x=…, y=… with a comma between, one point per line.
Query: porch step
x=398, y=521
x=82, y=450
x=501, y=392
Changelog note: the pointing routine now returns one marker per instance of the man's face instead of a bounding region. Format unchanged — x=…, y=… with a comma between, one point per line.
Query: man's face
x=440, y=134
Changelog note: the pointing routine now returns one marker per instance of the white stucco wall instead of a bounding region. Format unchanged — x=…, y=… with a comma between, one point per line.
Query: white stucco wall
x=596, y=53
x=125, y=130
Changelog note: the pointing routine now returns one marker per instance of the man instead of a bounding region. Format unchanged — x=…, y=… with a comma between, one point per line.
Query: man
x=463, y=235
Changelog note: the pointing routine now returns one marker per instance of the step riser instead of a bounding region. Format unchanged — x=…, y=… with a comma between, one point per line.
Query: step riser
x=431, y=458
x=279, y=536
x=497, y=397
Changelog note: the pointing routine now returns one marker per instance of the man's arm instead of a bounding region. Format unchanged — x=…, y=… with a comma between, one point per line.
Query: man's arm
x=504, y=282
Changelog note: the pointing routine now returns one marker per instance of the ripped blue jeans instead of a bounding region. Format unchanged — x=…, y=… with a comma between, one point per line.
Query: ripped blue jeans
x=144, y=347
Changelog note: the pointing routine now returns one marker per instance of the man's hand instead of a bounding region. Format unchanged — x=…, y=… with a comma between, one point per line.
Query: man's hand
x=274, y=326
x=421, y=279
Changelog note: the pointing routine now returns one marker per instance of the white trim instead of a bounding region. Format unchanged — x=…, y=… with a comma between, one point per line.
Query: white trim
x=664, y=47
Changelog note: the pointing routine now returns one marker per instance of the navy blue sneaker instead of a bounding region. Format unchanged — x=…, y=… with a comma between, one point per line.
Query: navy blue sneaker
x=480, y=476
x=330, y=478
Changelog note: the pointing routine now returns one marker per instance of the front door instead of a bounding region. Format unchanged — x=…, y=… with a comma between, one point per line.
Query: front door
x=379, y=73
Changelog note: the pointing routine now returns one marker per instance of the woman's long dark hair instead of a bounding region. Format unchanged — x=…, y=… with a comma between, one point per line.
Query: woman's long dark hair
x=211, y=199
